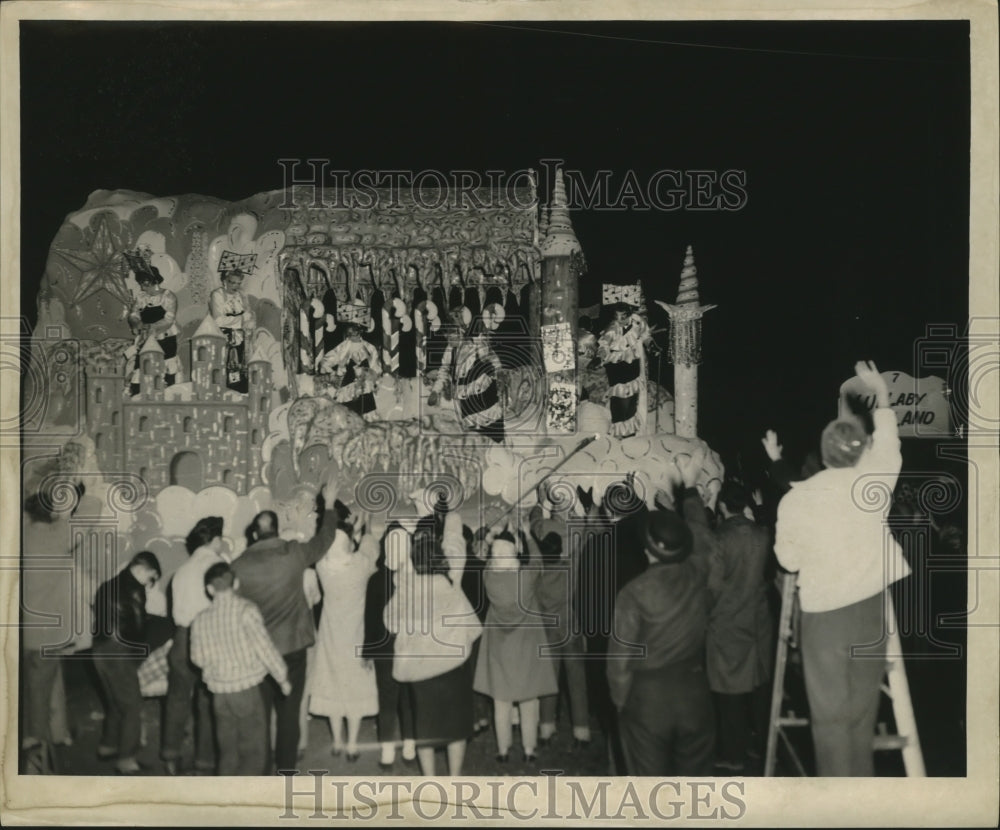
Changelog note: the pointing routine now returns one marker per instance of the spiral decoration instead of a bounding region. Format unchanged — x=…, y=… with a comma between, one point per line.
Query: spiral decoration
x=872, y=494
x=561, y=494
x=127, y=494
x=940, y=494
x=444, y=489
x=375, y=494
x=58, y=494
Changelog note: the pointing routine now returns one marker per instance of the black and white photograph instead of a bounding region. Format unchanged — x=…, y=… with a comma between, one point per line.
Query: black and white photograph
x=598, y=403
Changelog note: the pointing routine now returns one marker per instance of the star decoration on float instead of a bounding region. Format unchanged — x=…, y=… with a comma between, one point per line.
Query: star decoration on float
x=101, y=266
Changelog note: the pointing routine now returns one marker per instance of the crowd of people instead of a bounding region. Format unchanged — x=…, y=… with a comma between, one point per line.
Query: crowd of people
x=655, y=619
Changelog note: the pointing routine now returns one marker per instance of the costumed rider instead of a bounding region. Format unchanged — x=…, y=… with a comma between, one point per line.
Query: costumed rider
x=621, y=349
x=152, y=314
x=231, y=311
x=356, y=363
x=477, y=372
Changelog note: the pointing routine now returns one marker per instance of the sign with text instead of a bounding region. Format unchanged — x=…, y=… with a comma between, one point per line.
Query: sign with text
x=921, y=404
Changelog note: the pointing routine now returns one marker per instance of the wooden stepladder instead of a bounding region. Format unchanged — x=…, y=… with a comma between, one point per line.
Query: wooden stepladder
x=896, y=687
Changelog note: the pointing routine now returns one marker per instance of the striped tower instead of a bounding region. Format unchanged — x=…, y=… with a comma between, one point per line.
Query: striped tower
x=685, y=347
x=563, y=266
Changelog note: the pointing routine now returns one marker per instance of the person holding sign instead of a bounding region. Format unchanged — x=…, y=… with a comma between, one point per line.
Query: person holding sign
x=845, y=560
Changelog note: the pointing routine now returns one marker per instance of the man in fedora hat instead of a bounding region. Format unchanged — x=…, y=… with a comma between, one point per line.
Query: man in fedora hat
x=656, y=655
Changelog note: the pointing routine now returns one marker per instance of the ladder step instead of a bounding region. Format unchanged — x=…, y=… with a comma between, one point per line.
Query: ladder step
x=884, y=742
x=792, y=721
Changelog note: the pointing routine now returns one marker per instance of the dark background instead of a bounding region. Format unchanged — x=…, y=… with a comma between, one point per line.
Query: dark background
x=854, y=138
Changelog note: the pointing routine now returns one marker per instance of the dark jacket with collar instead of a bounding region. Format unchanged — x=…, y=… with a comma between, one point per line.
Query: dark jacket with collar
x=270, y=573
x=120, y=616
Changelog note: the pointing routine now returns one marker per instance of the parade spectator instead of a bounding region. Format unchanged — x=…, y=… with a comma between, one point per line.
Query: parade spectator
x=740, y=643
x=435, y=627
x=514, y=666
x=270, y=572
x=119, y=647
x=845, y=560
x=395, y=707
x=656, y=661
x=47, y=627
x=205, y=545
x=231, y=645
x=342, y=686
x=557, y=597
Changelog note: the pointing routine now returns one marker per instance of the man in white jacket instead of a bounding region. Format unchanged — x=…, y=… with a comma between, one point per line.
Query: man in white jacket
x=832, y=531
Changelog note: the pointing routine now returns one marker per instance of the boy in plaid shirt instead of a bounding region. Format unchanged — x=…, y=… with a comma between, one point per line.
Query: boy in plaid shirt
x=235, y=653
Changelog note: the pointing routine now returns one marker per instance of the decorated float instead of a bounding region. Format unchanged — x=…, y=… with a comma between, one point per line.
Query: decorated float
x=196, y=357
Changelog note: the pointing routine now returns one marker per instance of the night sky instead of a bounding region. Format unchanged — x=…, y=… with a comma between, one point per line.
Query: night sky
x=854, y=139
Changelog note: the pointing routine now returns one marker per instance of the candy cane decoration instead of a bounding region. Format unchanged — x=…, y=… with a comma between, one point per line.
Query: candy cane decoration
x=420, y=324
x=318, y=332
x=305, y=339
x=390, y=335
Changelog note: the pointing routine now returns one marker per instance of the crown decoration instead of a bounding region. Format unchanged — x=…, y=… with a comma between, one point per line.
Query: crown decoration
x=629, y=294
x=140, y=260
x=230, y=261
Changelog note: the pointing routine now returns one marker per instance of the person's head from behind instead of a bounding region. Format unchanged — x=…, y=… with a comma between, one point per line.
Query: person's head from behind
x=504, y=552
x=220, y=579
x=426, y=553
x=206, y=533
x=145, y=567
x=264, y=526
x=843, y=442
x=732, y=500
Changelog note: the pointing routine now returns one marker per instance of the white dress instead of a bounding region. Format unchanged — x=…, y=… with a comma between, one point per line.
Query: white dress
x=341, y=684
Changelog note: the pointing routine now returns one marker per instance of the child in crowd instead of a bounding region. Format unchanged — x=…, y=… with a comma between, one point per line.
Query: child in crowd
x=232, y=647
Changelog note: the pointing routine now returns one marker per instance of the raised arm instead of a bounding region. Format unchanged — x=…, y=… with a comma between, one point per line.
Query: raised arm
x=883, y=457
x=314, y=550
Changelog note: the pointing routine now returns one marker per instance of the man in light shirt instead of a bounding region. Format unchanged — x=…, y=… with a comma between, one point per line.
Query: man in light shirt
x=205, y=544
x=830, y=533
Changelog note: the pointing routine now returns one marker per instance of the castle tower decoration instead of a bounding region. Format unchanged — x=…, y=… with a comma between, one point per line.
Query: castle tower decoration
x=208, y=360
x=151, y=362
x=685, y=347
x=196, y=435
x=563, y=266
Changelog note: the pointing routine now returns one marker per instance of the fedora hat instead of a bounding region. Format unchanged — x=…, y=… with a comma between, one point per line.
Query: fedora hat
x=667, y=537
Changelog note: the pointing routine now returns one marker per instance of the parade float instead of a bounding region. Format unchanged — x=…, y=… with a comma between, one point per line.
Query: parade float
x=196, y=357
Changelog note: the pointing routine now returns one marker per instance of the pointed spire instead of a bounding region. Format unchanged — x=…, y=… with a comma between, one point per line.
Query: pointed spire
x=688, y=293
x=151, y=346
x=560, y=240
x=258, y=355
x=208, y=328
